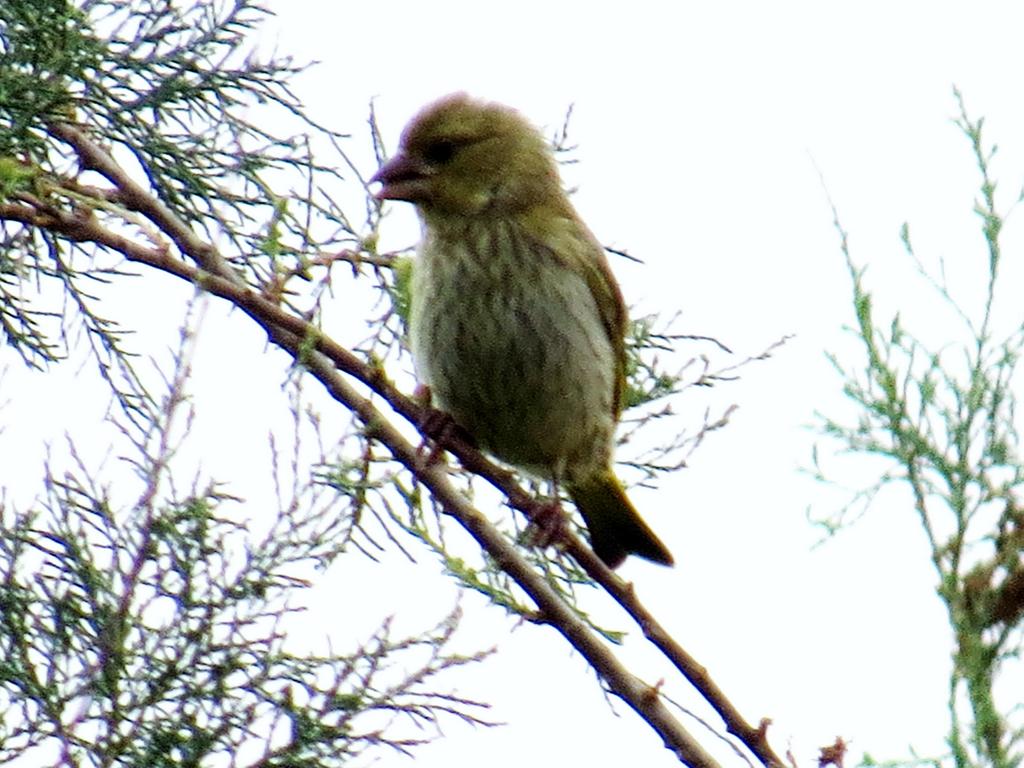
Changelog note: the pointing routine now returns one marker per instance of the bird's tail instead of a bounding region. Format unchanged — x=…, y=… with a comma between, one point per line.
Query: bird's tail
x=616, y=528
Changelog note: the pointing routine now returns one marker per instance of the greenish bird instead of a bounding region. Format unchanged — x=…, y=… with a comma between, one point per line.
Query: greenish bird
x=516, y=323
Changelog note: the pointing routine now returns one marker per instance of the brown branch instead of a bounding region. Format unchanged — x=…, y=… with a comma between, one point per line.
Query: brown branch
x=135, y=197
x=275, y=320
x=297, y=336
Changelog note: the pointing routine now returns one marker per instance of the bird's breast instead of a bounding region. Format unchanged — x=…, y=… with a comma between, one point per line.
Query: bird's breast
x=508, y=337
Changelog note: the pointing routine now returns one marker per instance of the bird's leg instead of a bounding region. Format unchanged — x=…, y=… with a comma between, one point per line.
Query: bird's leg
x=438, y=427
x=548, y=522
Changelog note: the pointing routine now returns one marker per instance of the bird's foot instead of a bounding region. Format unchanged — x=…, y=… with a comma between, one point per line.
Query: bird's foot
x=438, y=427
x=549, y=524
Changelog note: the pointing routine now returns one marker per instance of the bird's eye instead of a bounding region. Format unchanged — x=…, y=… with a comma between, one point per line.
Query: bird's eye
x=440, y=151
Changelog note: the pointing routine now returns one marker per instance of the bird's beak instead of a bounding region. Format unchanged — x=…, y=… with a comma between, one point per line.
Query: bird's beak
x=402, y=178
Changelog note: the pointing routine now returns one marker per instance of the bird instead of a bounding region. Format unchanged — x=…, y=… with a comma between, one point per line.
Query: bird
x=516, y=324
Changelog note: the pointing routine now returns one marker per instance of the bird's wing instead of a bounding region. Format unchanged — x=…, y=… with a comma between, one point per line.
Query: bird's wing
x=610, y=305
x=568, y=239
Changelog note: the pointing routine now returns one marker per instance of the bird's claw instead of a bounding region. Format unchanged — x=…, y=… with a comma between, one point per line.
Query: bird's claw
x=549, y=524
x=439, y=429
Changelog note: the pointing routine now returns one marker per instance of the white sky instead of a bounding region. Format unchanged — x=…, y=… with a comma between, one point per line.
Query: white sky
x=702, y=127
x=701, y=132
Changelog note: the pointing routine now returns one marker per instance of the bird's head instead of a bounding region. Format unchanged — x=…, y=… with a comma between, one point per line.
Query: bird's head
x=464, y=157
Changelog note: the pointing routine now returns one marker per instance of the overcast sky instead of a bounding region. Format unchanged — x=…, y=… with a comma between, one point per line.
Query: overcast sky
x=704, y=133
x=702, y=130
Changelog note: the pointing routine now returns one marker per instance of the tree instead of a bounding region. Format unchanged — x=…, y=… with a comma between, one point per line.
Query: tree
x=149, y=628
x=942, y=417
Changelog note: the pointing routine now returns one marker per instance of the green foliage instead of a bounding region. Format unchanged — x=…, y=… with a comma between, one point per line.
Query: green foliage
x=173, y=87
x=155, y=633
x=646, y=382
x=171, y=81
x=15, y=176
x=148, y=139
x=48, y=50
x=153, y=638
x=944, y=422
x=401, y=292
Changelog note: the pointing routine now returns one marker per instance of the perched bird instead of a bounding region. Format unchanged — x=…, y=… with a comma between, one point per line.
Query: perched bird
x=516, y=323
